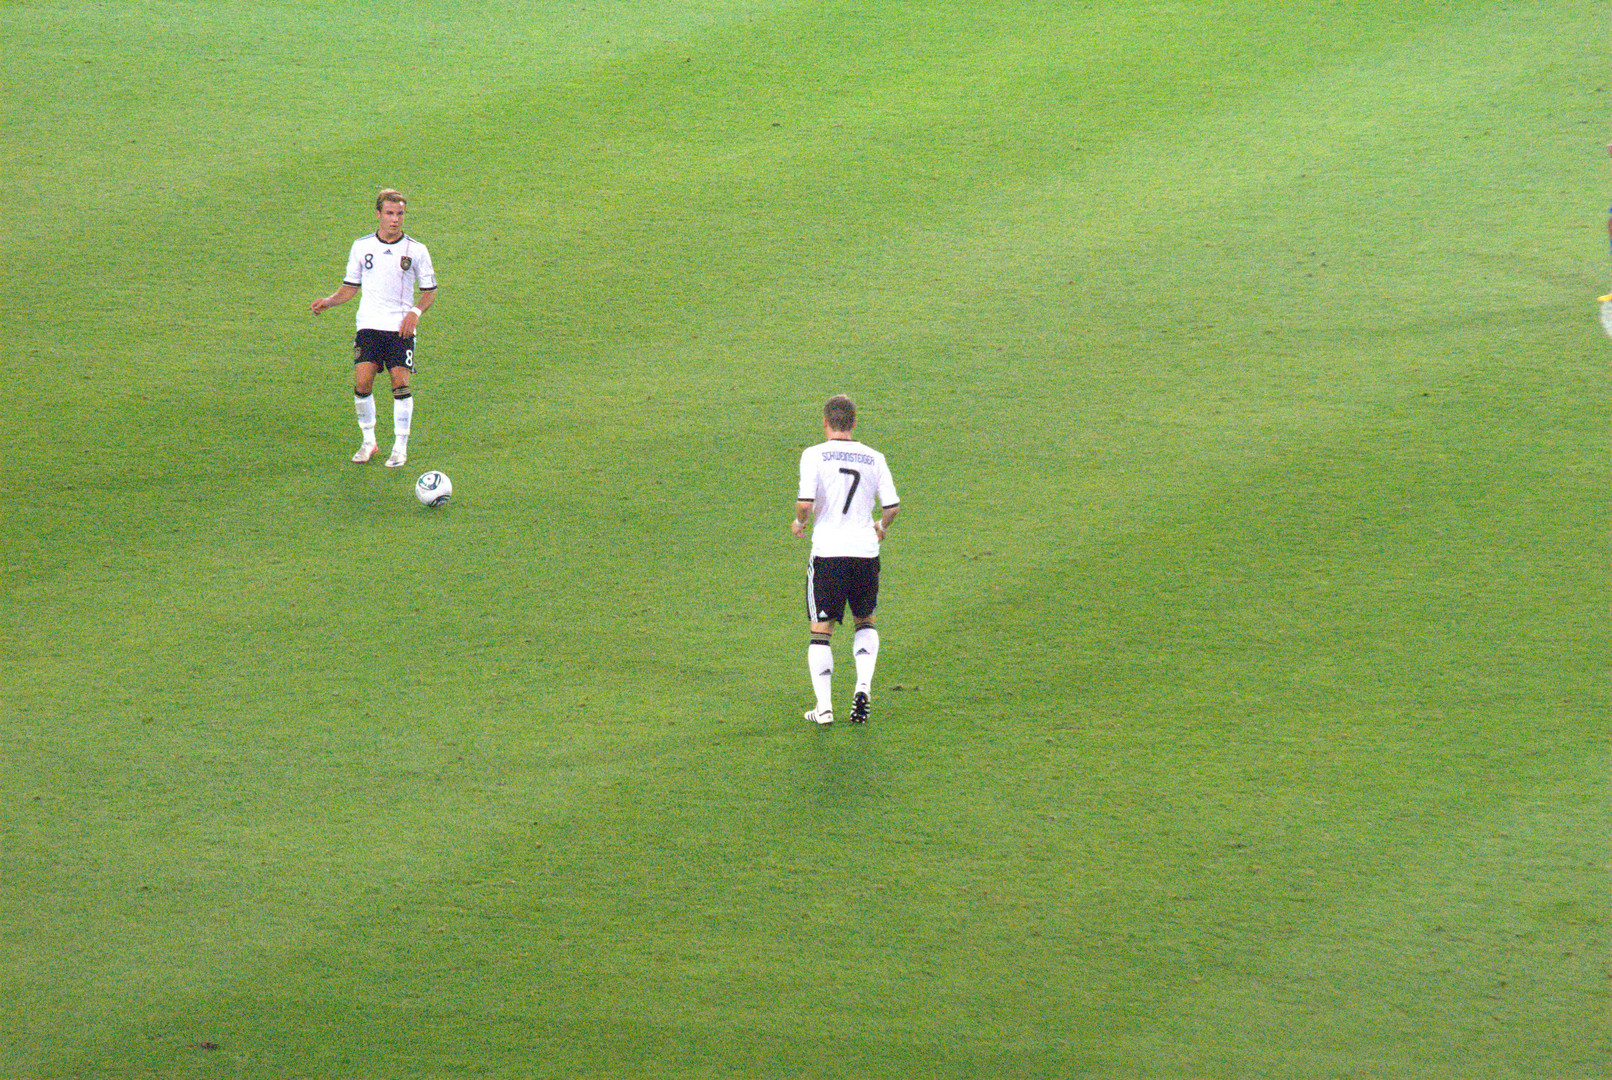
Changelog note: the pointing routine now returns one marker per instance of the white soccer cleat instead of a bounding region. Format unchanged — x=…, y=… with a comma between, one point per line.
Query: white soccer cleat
x=364, y=453
x=824, y=718
x=397, y=457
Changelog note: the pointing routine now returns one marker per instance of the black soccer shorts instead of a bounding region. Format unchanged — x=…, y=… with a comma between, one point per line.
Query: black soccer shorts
x=832, y=581
x=383, y=348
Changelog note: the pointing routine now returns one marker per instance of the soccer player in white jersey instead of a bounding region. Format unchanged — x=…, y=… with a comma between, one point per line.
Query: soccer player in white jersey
x=841, y=479
x=387, y=266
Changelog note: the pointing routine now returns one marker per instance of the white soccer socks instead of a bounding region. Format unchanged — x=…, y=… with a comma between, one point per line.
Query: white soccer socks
x=402, y=418
x=865, y=650
x=402, y=421
x=364, y=406
x=820, y=665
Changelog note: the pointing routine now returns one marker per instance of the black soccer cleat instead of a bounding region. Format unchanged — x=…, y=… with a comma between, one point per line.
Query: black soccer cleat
x=860, y=708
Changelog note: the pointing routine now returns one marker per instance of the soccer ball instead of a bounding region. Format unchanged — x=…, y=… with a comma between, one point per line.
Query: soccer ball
x=433, y=488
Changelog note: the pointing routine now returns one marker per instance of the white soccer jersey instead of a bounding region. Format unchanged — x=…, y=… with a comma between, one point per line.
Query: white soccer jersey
x=843, y=479
x=387, y=274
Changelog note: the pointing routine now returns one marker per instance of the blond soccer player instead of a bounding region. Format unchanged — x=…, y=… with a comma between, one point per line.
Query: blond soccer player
x=385, y=269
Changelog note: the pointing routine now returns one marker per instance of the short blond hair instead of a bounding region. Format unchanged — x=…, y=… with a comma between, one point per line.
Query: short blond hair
x=389, y=195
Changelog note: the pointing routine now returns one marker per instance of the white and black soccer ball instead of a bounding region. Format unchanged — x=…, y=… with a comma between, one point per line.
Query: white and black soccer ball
x=433, y=488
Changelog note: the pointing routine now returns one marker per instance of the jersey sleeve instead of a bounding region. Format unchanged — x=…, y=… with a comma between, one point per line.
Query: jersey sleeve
x=887, y=485
x=425, y=275
x=355, y=267
x=807, y=488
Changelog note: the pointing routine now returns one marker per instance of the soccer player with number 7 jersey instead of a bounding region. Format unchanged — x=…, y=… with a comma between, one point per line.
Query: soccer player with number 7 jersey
x=841, y=480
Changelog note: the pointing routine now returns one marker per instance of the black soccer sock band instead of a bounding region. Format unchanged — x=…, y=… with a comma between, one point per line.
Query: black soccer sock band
x=820, y=639
x=399, y=395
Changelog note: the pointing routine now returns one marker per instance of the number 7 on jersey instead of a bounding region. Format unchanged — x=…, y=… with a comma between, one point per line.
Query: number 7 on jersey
x=856, y=478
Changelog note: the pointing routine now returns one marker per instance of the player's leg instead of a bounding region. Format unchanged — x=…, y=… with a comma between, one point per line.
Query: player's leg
x=864, y=600
x=364, y=371
x=865, y=654
x=401, y=368
x=820, y=665
x=825, y=603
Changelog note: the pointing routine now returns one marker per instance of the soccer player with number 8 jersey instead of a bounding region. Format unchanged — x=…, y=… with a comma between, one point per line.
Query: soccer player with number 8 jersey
x=386, y=266
x=841, y=480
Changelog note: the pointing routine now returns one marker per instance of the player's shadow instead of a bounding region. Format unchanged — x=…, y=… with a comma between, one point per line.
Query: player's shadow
x=843, y=773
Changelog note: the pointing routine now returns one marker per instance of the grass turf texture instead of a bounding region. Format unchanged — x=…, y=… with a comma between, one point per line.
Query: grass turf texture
x=1238, y=367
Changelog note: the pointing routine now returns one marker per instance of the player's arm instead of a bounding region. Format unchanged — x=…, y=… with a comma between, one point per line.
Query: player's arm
x=803, y=514
x=340, y=296
x=889, y=501
x=411, y=318
x=805, y=495
x=886, y=516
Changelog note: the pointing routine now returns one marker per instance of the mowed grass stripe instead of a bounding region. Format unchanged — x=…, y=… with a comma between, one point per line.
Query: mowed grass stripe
x=244, y=86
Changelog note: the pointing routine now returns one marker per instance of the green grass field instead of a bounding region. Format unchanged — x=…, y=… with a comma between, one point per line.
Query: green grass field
x=1242, y=709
